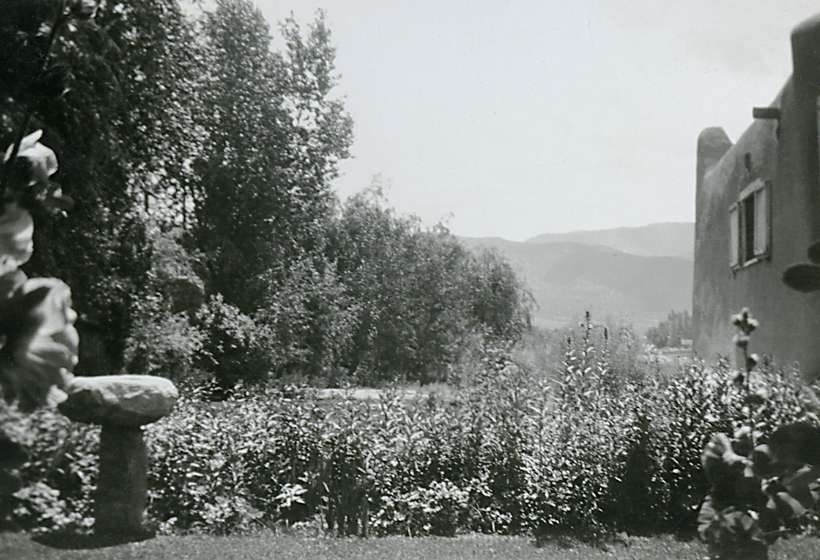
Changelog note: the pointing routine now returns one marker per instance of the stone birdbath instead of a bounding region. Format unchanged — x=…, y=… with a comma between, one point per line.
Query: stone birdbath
x=121, y=404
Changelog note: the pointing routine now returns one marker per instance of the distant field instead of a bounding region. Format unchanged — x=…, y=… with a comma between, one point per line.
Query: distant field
x=371, y=394
x=474, y=547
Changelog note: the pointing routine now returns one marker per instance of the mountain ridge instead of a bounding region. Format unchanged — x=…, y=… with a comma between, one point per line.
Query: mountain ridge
x=569, y=277
x=656, y=239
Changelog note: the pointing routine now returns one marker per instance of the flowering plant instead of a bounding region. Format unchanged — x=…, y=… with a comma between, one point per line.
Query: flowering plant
x=38, y=340
x=765, y=479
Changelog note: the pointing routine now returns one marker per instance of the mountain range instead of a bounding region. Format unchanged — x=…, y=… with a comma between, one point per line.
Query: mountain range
x=671, y=239
x=632, y=275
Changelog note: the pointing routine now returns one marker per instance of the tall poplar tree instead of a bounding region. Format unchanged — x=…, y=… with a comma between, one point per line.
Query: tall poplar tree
x=275, y=136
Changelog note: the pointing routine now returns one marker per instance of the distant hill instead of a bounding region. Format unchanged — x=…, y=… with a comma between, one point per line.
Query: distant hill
x=653, y=240
x=568, y=278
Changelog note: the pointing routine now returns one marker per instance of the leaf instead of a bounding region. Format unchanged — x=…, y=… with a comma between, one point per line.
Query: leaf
x=747, y=522
x=799, y=484
x=784, y=498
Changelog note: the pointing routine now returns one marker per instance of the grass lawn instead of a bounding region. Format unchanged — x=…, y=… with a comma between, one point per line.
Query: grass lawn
x=476, y=547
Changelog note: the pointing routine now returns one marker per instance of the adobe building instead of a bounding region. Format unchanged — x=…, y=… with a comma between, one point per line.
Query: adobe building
x=757, y=212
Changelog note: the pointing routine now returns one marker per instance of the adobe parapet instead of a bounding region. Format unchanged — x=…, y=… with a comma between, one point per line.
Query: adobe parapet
x=713, y=143
x=806, y=52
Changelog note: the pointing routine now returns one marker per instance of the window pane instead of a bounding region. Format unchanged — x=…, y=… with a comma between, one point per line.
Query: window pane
x=761, y=222
x=734, y=242
x=748, y=228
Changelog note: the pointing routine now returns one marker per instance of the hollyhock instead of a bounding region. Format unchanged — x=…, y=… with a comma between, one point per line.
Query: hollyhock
x=38, y=357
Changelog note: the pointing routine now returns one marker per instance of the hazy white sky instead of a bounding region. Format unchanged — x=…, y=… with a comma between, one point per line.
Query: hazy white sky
x=519, y=117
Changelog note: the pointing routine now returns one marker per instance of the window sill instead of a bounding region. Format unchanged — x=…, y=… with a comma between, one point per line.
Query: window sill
x=750, y=262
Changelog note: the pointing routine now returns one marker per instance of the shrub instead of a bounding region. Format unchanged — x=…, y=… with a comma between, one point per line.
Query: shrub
x=438, y=509
x=569, y=467
x=58, y=476
x=698, y=404
x=235, y=346
x=163, y=339
x=162, y=342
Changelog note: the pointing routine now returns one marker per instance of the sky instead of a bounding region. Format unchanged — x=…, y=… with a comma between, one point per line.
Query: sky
x=513, y=118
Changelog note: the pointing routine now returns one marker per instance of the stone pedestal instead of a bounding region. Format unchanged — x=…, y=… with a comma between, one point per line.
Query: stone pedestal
x=122, y=487
x=121, y=404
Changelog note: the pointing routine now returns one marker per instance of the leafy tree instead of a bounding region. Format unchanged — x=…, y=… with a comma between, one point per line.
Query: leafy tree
x=670, y=333
x=310, y=321
x=321, y=132
x=162, y=64
x=419, y=292
x=274, y=139
x=100, y=246
x=375, y=255
x=500, y=301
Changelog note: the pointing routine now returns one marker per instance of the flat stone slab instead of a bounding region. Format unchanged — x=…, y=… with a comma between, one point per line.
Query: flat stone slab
x=119, y=400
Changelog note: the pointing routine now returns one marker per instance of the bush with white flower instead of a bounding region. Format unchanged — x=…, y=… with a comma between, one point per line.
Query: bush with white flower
x=39, y=341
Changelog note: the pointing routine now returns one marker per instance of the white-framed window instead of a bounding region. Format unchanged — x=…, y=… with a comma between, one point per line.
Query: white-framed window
x=749, y=232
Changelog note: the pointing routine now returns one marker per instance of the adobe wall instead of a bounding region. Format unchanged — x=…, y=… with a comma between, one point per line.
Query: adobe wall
x=790, y=321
